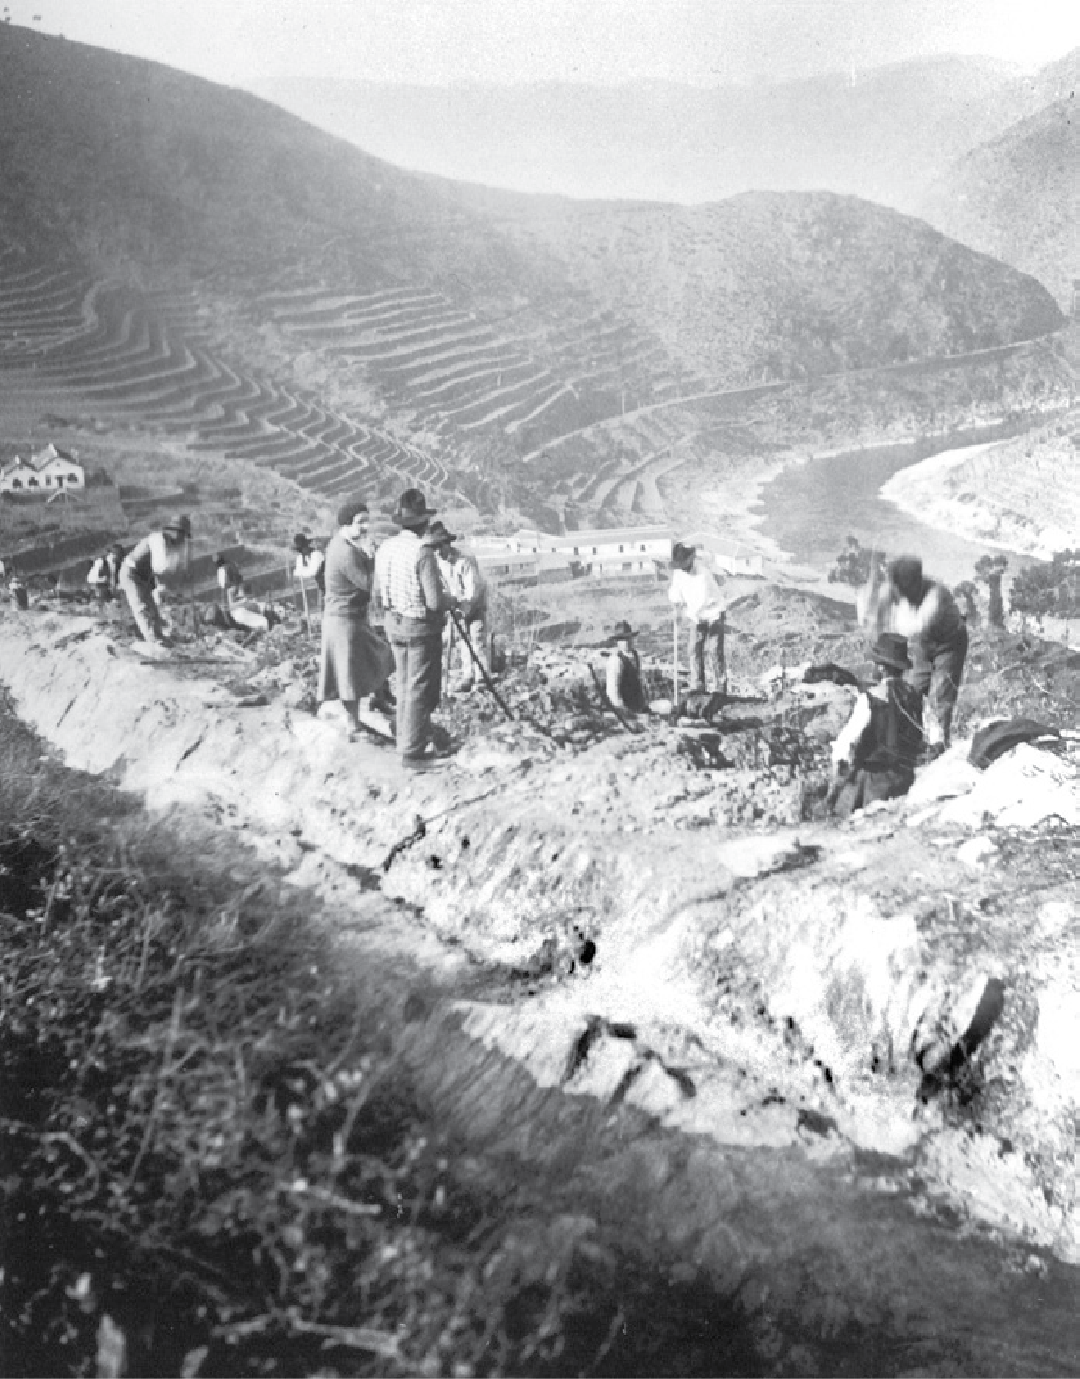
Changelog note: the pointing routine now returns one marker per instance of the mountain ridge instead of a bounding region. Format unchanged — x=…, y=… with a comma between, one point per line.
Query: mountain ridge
x=291, y=290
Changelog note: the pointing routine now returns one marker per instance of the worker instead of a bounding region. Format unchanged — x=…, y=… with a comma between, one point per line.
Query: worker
x=874, y=756
x=240, y=611
x=103, y=576
x=461, y=575
x=696, y=589
x=160, y=558
x=416, y=602
x=623, y=679
x=925, y=612
x=355, y=661
x=310, y=567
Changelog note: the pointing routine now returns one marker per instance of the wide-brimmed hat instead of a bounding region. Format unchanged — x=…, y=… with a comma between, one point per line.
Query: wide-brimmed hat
x=682, y=557
x=890, y=649
x=621, y=632
x=179, y=526
x=413, y=510
x=437, y=535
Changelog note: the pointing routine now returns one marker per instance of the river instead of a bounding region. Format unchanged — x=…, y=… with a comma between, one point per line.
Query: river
x=810, y=510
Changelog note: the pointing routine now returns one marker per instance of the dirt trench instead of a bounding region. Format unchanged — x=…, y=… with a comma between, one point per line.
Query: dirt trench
x=715, y=1029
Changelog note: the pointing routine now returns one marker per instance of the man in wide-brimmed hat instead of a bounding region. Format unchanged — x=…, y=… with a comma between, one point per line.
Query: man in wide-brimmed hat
x=416, y=602
x=461, y=574
x=696, y=590
x=924, y=611
x=160, y=559
x=874, y=757
x=623, y=677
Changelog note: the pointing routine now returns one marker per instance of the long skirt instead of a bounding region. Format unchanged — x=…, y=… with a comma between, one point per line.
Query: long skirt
x=355, y=660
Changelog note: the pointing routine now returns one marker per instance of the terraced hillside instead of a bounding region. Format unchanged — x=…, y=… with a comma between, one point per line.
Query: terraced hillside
x=208, y=266
x=130, y=357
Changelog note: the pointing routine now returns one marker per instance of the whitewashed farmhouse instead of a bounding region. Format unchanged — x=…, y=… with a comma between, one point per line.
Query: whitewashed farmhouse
x=48, y=471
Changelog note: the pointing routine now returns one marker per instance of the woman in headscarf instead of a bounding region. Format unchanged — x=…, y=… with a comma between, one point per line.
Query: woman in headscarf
x=355, y=661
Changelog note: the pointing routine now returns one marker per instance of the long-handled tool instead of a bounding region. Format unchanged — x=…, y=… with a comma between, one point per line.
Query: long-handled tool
x=455, y=618
x=307, y=614
x=196, y=626
x=675, y=659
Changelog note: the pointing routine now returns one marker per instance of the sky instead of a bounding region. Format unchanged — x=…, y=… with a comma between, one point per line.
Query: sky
x=438, y=42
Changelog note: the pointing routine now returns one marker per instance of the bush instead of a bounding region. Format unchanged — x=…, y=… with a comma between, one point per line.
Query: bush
x=1049, y=589
x=852, y=565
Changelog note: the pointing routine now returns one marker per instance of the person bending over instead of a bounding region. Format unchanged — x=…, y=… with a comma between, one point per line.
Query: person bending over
x=874, y=757
x=160, y=558
x=925, y=612
x=623, y=680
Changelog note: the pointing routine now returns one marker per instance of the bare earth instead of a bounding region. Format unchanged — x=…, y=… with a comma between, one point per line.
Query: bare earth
x=1021, y=494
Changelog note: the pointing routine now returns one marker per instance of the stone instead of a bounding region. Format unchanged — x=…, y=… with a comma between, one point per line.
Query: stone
x=977, y=850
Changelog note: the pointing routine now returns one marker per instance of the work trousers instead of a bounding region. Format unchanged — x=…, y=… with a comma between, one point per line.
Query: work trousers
x=144, y=607
x=461, y=664
x=708, y=653
x=417, y=647
x=937, y=674
x=864, y=787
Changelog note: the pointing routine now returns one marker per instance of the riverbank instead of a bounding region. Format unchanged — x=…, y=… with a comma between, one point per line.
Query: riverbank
x=1018, y=495
x=797, y=507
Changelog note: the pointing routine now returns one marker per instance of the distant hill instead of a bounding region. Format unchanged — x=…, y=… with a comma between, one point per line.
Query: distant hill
x=882, y=134
x=1018, y=198
x=198, y=260
x=777, y=286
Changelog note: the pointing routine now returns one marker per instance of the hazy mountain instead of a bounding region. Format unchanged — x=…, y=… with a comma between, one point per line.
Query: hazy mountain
x=269, y=264
x=1018, y=198
x=881, y=134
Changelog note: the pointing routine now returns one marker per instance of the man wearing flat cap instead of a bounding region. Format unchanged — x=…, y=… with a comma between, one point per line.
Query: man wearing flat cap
x=874, y=757
x=355, y=662
x=416, y=602
x=460, y=572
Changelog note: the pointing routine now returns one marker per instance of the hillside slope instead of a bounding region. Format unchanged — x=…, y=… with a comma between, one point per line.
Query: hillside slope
x=190, y=258
x=1018, y=198
x=790, y=285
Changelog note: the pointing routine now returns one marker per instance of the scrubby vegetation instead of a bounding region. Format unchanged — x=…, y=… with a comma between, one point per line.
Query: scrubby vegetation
x=1052, y=588
x=214, y=1161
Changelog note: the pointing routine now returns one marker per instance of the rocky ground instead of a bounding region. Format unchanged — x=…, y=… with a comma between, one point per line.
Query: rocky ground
x=666, y=919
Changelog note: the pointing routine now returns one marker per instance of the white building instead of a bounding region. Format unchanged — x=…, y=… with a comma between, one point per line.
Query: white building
x=729, y=557
x=48, y=471
x=605, y=550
